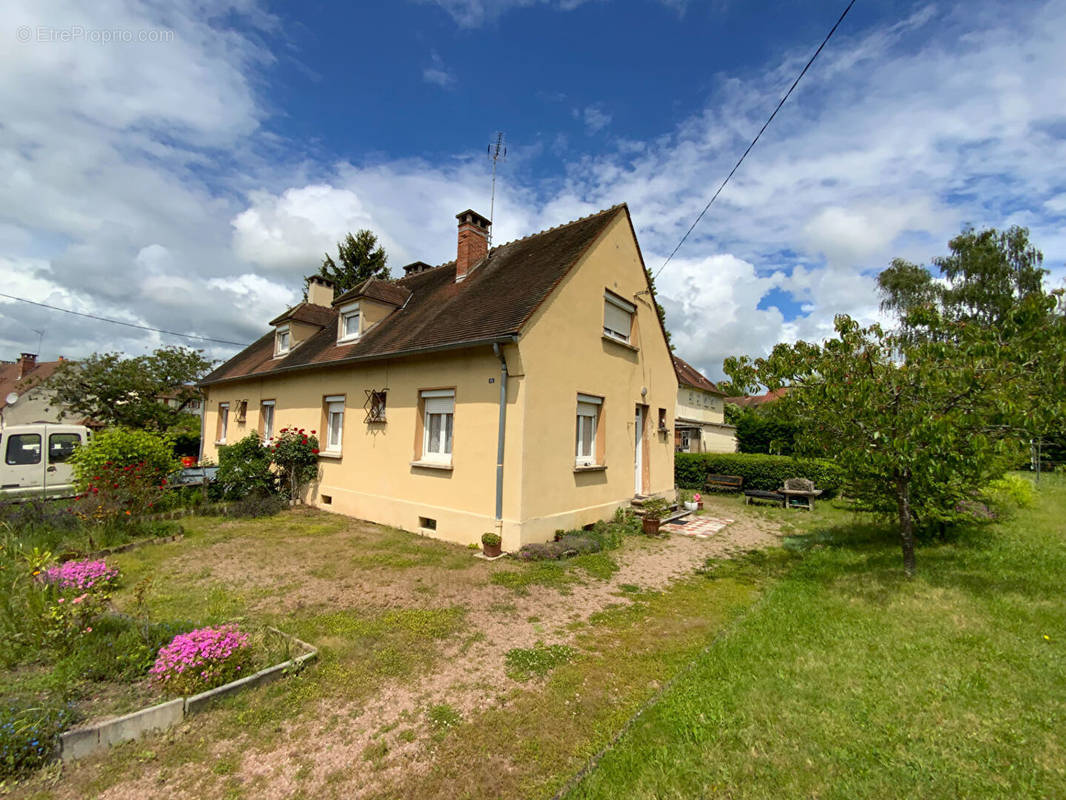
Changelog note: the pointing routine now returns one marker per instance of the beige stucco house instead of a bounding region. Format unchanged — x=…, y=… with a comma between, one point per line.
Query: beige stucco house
x=521, y=389
x=700, y=425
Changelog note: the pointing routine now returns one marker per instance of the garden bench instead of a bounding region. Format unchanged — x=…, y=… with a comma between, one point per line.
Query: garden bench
x=799, y=493
x=761, y=494
x=728, y=483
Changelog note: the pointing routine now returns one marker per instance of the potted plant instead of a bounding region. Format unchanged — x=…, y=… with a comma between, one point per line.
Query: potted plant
x=688, y=500
x=654, y=511
x=490, y=542
x=697, y=498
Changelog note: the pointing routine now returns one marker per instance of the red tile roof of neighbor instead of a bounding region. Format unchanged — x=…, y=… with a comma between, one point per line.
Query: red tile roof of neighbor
x=495, y=301
x=688, y=375
x=759, y=399
x=9, y=380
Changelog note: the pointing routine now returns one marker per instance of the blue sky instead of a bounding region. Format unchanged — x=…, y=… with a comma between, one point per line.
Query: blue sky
x=190, y=180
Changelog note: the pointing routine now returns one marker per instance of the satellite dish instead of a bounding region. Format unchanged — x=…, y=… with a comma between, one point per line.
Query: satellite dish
x=12, y=398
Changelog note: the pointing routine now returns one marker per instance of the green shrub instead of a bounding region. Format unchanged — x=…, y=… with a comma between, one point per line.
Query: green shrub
x=490, y=539
x=244, y=468
x=296, y=453
x=257, y=504
x=123, y=447
x=29, y=734
x=758, y=471
x=1009, y=493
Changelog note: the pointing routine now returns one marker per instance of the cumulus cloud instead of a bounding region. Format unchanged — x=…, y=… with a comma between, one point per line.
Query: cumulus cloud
x=595, y=118
x=886, y=149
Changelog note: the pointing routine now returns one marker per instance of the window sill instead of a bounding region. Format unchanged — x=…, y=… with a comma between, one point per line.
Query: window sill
x=591, y=468
x=219, y=441
x=620, y=343
x=348, y=340
x=432, y=465
x=335, y=454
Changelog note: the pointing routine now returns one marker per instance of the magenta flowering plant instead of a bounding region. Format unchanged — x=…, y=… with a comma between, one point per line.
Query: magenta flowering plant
x=201, y=659
x=83, y=576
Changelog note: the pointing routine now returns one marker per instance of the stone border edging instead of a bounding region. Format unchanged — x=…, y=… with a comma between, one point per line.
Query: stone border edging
x=81, y=742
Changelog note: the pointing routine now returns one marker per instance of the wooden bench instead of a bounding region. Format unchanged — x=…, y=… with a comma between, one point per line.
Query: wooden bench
x=726, y=483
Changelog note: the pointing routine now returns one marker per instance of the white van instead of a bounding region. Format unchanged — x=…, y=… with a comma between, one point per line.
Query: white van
x=36, y=460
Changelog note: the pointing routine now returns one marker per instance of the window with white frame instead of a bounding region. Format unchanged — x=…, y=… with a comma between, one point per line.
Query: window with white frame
x=439, y=405
x=588, y=416
x=282, y=340
x=349, y=323
x=334, y=423
x=617, y=317
x=266, y=420
x=223, y=422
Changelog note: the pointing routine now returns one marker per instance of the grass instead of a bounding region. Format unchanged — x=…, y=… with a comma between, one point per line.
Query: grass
x=621, y=656
x=849, y=681
x=525, y=663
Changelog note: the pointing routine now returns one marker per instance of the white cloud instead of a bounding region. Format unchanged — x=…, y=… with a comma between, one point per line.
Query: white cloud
x=476, y=13
x=596, y=119
x=437, y=73
x=885, y=150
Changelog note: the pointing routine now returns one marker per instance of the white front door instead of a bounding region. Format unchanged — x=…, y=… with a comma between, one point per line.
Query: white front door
x=638, y=458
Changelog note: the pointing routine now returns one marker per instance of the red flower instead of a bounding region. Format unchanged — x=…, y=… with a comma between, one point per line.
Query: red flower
x=314, y=450
x=95, y=490
x=312, y=433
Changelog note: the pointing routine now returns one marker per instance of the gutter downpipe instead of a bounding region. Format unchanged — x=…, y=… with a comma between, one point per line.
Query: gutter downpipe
x=500, y=436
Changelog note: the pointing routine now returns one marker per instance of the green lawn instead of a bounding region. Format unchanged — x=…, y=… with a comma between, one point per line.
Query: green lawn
x=847, y=681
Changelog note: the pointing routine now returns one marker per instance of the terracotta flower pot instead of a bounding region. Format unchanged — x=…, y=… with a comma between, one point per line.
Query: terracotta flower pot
x=492, y=550
x=651, y=526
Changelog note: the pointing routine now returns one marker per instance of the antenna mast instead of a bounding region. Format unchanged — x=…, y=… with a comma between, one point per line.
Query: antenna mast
x=497, y=152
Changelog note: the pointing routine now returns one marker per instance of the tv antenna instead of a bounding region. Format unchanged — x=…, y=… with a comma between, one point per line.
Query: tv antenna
x=497, y=152
x=40, y=338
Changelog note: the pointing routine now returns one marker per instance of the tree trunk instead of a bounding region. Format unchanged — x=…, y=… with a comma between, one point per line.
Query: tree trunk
x=906, y=523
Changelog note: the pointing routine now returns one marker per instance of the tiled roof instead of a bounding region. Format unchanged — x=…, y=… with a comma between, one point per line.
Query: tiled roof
x=688, y=375
x=494, y=301
x=306, y=312
x=377, y=289
x=9, y=381
x=758, y=400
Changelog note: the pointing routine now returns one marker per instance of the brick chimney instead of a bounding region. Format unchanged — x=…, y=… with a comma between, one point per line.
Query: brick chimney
x=473, y=242
x=320, y=291
x=26, y=362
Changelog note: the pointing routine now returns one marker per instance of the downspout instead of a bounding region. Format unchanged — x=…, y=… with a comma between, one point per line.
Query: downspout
x=500, y=437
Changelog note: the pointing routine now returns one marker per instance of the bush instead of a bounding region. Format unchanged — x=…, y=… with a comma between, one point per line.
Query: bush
x=296, y=454
x=758, y=471
x=123, y=447
x=117, y=493
x=490, y=539
x=29, y=734
x=244, y=468
x=257, y=505
x=1008, y=493
x=202, y=659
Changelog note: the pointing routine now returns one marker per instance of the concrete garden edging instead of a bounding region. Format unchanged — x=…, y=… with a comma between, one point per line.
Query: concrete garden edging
x=81, y=742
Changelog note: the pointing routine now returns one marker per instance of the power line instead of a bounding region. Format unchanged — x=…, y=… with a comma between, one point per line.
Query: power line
x=120, y=322
x=766, y=124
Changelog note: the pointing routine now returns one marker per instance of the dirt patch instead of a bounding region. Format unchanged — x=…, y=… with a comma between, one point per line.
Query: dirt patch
x=345, y=749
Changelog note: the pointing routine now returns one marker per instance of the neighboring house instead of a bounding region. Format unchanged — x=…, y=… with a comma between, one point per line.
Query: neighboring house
x=700, y=425
x=195, y=406
x=546, y=350
x=26, y=378
x=755, y=401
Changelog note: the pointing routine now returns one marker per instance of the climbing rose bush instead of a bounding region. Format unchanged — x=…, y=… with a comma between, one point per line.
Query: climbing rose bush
x=295, y=451
x=201, y=659
x=82, y=576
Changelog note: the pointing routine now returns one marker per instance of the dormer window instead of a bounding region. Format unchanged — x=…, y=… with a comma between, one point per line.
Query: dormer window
x=349, y=323
x=282, y=340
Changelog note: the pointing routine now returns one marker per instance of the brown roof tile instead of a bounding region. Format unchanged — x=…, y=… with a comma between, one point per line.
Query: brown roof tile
x=759, y=399
x=688, y=375
x=9, y=381
x=306, y=312
x=376, y=289
x=495, y=300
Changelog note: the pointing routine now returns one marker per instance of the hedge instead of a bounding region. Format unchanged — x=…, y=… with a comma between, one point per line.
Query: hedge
x=758, y=471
